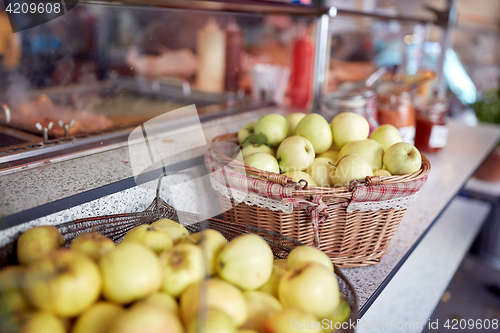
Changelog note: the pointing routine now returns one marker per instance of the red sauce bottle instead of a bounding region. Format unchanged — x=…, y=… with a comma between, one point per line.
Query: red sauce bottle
x=234, y=44
x=301, y=72
x=432, y=131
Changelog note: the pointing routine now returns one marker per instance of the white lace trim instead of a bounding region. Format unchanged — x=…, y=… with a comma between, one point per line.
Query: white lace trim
x=252, y=199
x=386, y=204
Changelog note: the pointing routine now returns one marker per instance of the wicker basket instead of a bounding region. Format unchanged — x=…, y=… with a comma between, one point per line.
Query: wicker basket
x=353, y=239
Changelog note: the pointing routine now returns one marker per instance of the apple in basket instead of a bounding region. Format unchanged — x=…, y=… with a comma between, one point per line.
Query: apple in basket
x=163, y=301
x=12, y=296
x=274, y=127
x=302, y=254
x=154, y=238
x=317, y=130
x=386, y=135
x=36, y=242
x=92, y=244
x=301, y=175
x=176, y=231
x=32, y=322
x=295, y=153
x=211, y=242
x=271, y=286
x=331, y=154
x=347, y=127
x=287, y=321
x=293, y=120
x=402, y=158
x=256, y=148
x=382, y=173
x=370, y=149
x=246, y=131
x=260, y=306
x=349, y=168
x=262, y=161
x=212, y=320
x=142, y=317
x=98, y=318
x=321, y=170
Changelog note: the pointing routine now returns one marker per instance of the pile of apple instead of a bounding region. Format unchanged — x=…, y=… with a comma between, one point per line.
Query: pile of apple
x=332, y=155
x=161, y=279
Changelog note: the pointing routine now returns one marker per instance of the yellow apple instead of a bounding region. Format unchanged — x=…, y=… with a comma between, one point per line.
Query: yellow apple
x=402, y=158
x=174, y=229
x=32, y=322
x=246, y=131
x=263, y=161
x=98, y=318
x=260, y=306
x=310, y=287
x=92, y=244
x=302, y=254
x=246, y=330
x=274, y=127
x=316, y=129
x=211, y=242
x=36, y=242
x=271, y=286
x=12, y=296
x=145, y=318
x=63, y=282
x=382, y=173
x=321, y=171
x=130, y=272
x=299, y=175
x=347, y=127
x=386, y=135
x=295, y=153
x=291, y=321
x=349, y=168
x=293, y=120
x=339, y=315
x=214, y=293
x=256, y=148
x=163, y=301
x=154, y=238
x=281, y=263
x=370, y=149
x=182, y=265
x=212, y=321
x=332, y=155
x=246, y=262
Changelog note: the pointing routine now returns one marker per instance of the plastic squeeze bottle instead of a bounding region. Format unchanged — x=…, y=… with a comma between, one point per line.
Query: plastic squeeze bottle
x=211, y=50
x=302, y=67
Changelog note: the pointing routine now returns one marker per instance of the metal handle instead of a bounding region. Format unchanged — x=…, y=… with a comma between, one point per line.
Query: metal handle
x=66, y=126
x=6, y=110
x=44, y=130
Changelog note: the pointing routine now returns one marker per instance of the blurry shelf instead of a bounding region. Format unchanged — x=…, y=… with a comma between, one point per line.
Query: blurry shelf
x=376, y=16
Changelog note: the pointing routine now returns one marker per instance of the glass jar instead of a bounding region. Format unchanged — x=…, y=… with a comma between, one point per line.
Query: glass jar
x=395, y=107
x=432, y=130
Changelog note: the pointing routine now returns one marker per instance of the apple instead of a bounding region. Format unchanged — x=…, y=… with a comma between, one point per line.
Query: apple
x=274, y=127
x=162, y=301
x=295, y=153
x=402, y=158
x=316, y=129
x=349, y=168
x=212, y=321
x=146, y=318
x=63, y=282
x=211, y=242
x=289, y=321
x=263, y=161
x=176, y=231
x=98, y=318
x=246, y=330
x=281, y=263
x=182, y=265
x=36, y=242
x=260, y=306
x=12, y=296
x=32, y=322
x=92, y=244
x=214, y=293
x=302, y=254
x=154, y=238
x=293, y=120
x=246, y=262
x=246, y=131
x=331, y=154
x=370, y=149
x=382, y=173
x=256, y=148
x=340, y=314
x=347, y=127
x=130, y=271
x=321, y=171
x=300, y=175
x=386, y=135
x=310, y=287
x=271, y=286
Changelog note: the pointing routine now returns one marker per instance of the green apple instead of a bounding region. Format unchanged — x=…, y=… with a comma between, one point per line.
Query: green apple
x=146, y=318
x=291, y=321
x=92, y=244
x=174, y=229
x=382, y=173
x=321, y=171
x=63, y=282
x=370, y=149
x=263, y=161
x=281, y=263
x=274, y=127
x=12, y=296
x=256, y=148
x=386, y=135
x=317, y=130
x=331, y=154
x=347, y=127
x=302, y=254
x=349, y=168
x=212, y=321
x=214, y=293
x=402, y=158
x=293, y=120
x=211, y=242
x=32, y=322
x=246, y=131
x=295, y=153
x=98, y=318
x=36, y=242
x=246, y=262
x=271, y=286
x=130, y=271
x=162, y=301
x=299, y=175
x=260, y=306
x=154, y=238
x=182, y=266
x=310, y=287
